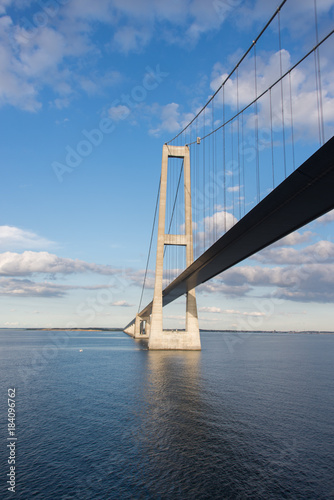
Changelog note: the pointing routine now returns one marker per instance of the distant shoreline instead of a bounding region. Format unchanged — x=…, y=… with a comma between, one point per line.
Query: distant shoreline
x=97, y=329
x=92, y=329
x=270, y=331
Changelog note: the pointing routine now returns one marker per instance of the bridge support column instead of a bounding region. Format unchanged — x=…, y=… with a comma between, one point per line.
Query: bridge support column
x=130, y=330
x=160, y=338
x=142, y=330
x=147, y=326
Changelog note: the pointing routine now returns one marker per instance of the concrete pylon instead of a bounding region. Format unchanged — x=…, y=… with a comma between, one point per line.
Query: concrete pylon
x=160, y=338
x=142, y=327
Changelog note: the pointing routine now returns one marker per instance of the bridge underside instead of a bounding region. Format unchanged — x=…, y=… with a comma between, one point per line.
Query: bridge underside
x=304, y=196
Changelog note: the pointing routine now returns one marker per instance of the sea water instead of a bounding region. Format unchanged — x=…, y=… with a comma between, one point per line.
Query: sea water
x=98, y=416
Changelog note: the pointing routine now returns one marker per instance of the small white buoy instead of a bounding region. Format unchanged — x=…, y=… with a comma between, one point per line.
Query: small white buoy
x=80, y=350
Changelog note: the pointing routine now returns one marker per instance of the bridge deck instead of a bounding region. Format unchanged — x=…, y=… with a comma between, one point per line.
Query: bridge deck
x=302, y=197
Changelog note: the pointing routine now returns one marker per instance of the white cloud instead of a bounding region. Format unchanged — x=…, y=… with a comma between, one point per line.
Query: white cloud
x=88, y=10
x=244, y=313
x=170, y=119
x=26, y=288
x=15, y=88
x=307, y=283
x=254, y=313
x=230, y=290
x=322, y=251
x=130, y=39
x=50, y=54
x=210, y=309
x=193, y=17
x=61, y=104
x=28, y=263
x=53, y=46
x=30, y=62
x=45, y=54
x=292, y=239
x=15, y=238
x=121, y=303
x=3, y=5
x=303, y=92
x=175, y=316
x=298, y=15
x=327, y=218
x=215, y=225
x=137, y=277
x=55, y=52
x=234, y=189
x=119, y=112
x=166, y=118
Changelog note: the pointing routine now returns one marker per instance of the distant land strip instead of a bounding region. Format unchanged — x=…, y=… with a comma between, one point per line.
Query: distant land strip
x=90, y=329
x=97, y=329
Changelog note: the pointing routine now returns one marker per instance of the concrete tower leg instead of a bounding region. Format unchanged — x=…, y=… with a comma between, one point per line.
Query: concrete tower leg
x=160, y=338
x=139, y=332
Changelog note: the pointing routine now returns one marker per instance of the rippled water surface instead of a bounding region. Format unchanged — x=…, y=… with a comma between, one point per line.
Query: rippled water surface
x=101, y=417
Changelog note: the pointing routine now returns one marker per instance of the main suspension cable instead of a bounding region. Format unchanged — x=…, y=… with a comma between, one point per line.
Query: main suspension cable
x=232, y=72
x=268, y=89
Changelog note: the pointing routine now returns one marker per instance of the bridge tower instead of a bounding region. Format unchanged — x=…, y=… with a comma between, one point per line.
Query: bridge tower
x=158, y=337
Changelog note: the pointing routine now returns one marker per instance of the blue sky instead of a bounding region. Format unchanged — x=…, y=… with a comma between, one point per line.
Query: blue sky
x=89, y=93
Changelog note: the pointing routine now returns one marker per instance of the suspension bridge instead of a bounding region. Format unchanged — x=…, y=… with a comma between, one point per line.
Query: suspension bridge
x=253, y=165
